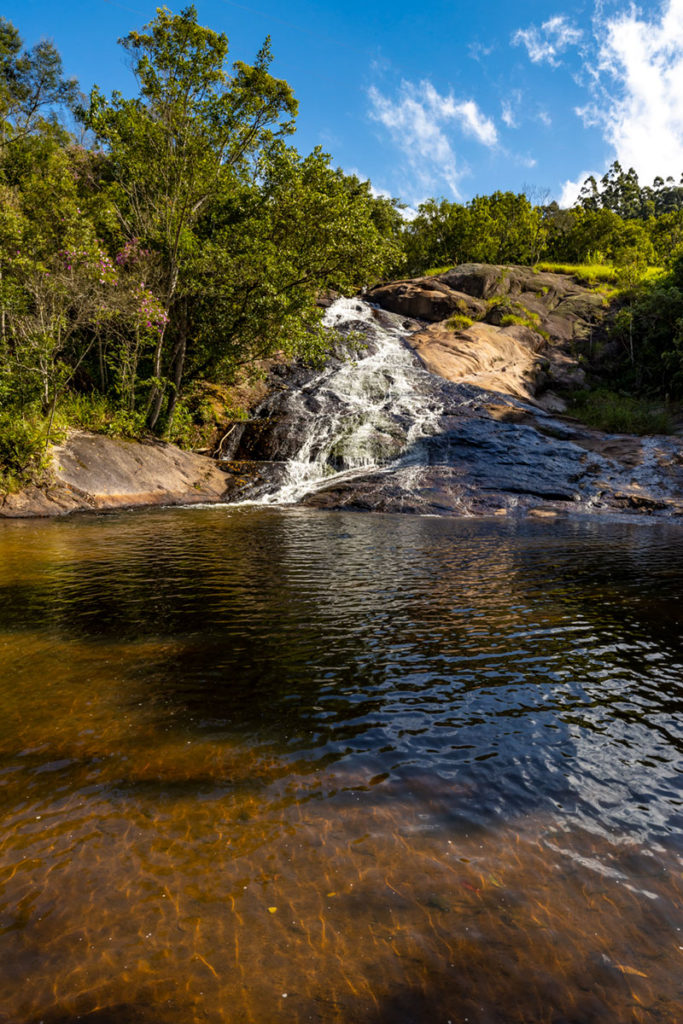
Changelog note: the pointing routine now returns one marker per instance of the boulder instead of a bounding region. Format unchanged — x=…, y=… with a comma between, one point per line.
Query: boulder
x=425, y=298
x=91, y=471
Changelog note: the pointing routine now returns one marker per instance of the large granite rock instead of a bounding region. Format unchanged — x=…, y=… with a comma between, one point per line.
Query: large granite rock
x=482, y=354
x=426, y=298
x=547, y=314
x=91, y=472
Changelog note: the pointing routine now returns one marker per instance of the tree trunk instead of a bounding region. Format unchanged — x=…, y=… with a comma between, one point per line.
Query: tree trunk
x=156, y=397
x=179, y=354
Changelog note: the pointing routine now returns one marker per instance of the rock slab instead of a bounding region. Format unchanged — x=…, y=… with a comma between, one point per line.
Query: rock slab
x=94, y=472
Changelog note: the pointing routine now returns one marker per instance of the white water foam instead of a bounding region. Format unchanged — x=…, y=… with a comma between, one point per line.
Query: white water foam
x=374, y=408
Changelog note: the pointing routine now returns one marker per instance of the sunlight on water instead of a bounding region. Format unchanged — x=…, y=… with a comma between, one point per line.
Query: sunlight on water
x=263, y=766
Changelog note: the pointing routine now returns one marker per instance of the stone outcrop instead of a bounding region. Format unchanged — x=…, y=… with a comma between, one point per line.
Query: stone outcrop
x=527, y=326
x=482, y=354
x=426, y=298
x=93, y=472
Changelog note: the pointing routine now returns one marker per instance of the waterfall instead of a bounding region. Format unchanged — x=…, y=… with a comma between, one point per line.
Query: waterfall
x=355, y=416
x=377, y=430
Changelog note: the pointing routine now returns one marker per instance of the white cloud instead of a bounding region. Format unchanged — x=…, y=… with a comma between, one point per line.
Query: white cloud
x=638, y=90
x=508, y=115
x=569, y=192
x=417, y=121
x=473, y=122
x=545, y=43
x=480, y=52
x=545, y=118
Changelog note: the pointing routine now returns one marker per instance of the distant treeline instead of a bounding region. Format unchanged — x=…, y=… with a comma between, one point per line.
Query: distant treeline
x=614, y=220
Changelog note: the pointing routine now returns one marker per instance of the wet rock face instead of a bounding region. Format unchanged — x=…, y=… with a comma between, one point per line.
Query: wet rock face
x=384, y=434
x=481, y=466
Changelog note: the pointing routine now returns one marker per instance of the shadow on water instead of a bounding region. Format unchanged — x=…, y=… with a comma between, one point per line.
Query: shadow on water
x=264, y=766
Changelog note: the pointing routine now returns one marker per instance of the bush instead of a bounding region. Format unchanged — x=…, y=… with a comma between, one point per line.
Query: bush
x=459, y=322
x=100, y=415
x=620, y=414
x=22, y=449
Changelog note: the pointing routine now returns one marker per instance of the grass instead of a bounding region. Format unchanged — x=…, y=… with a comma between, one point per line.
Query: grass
x=616, y=413
x=433, y=271
x=459, y=322
x=593, y=275
x=590, y=274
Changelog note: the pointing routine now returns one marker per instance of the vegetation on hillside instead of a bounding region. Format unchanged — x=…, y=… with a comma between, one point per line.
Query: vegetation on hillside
x=180, y=237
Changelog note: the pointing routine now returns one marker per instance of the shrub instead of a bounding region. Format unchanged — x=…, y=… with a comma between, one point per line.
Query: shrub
x=459, y=322
x=22, y=449
x=620, y=414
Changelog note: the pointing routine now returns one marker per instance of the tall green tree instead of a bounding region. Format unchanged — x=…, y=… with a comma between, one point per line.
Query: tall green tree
x=269, y=249
x=194, y=124
x=32, y=85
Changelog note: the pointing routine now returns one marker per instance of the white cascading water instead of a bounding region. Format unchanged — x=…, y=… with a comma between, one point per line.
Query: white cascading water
x=374, y=408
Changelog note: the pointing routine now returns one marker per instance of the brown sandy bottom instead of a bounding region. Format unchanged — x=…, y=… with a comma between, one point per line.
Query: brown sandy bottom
x=209, y=882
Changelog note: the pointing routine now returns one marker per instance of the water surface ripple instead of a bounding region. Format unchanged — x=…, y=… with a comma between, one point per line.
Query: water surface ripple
x=276, y=765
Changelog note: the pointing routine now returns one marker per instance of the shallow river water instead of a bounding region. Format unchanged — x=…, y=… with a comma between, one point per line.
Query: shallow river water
x=266, y=765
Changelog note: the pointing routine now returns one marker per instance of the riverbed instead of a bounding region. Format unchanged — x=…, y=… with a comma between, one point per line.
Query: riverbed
x=265, y=764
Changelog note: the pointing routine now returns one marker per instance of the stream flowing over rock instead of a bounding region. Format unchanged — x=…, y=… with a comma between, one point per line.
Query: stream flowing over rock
x=379, y=431
x=438, y=399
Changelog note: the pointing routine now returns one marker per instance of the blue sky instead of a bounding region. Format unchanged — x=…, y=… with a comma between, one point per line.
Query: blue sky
x=449, y=99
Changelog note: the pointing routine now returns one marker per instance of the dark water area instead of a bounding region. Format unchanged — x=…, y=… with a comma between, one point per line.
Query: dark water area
x=276, y=765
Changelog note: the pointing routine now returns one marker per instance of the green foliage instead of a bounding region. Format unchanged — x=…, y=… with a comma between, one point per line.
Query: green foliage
x=459, y=322
x=620, y=192
x=31, y=83
x=589, y=275
x=22, y=448
x=434, y=271
x=510, y=319
x=500, y=228
x=621, y=413
x=649, y=330
x=189, y=241
x=101, y=415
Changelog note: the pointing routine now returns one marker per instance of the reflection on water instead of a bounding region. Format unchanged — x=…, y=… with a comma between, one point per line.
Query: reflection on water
x=283, y=766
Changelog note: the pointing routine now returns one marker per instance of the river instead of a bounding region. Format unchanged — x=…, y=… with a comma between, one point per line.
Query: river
x=264, y=764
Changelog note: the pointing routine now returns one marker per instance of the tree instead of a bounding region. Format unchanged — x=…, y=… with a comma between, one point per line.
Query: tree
x=31, y=83
x=267, y=250
x=194, y=126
